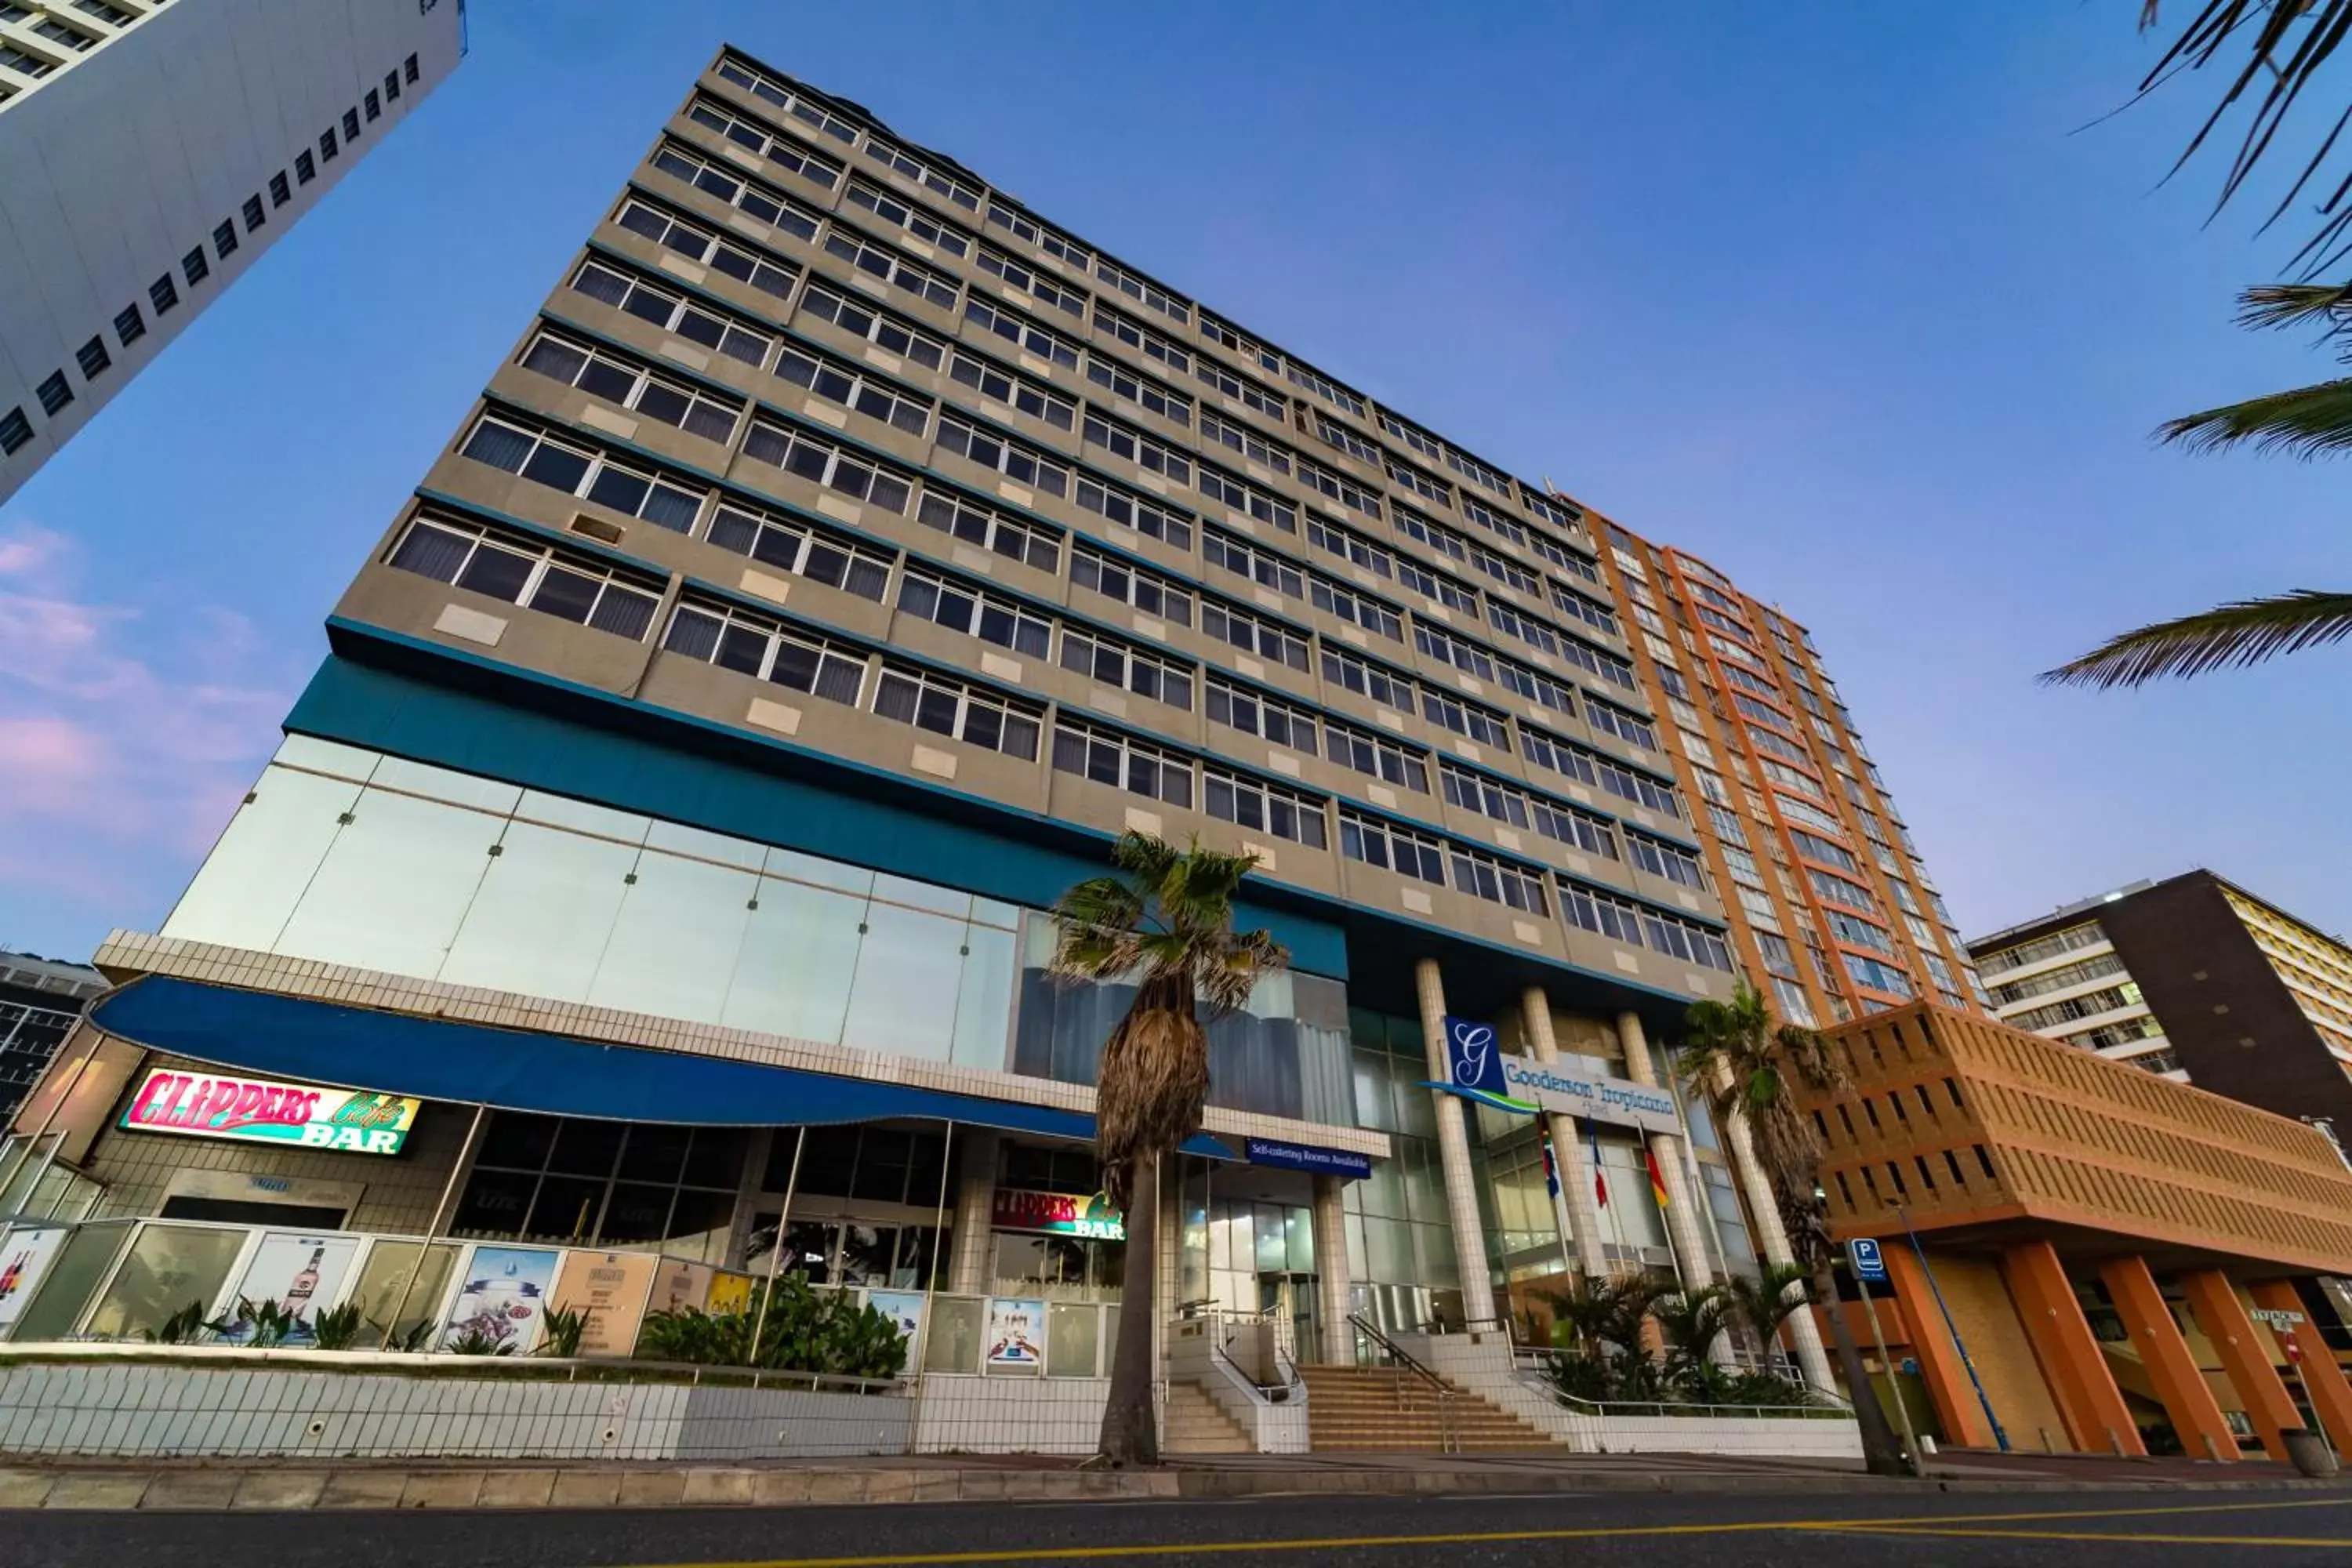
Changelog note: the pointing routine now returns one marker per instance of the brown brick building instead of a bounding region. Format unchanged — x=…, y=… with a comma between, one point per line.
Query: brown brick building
x=2093, y=1242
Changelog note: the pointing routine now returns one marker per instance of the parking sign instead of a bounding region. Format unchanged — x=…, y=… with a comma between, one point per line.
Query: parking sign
x=1868, y=1266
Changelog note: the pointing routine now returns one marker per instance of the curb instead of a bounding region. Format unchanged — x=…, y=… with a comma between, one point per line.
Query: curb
x=277, y=1490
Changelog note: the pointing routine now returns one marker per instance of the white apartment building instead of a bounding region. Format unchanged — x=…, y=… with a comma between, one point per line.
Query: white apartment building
x=2062, y=976
x=153, y=149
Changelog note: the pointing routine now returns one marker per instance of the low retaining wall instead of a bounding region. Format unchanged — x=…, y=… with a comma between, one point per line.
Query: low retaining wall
x=126, y=1409
x=1482, y=1364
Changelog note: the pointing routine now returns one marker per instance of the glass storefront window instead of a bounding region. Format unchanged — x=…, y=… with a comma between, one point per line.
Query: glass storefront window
x=73, y=1276
x=1072, y=1344
x=586, y=1182
x=168, y=1269
x=385, y=1276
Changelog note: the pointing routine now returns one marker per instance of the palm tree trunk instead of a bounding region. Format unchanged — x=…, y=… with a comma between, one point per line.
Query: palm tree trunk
x=1880, y=1452
x=1130, y=1427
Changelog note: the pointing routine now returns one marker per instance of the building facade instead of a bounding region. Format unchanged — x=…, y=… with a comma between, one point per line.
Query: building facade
x=154, y=149
x=2084, y=1256
x=841, y=558
x=1831, y=905
x=40, y=1001
x=2195, y=978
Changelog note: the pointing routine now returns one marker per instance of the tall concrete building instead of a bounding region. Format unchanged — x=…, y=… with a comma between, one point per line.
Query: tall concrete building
x=842, y=557
x=153, y=150
x=2192, y=977
x=1831, y=905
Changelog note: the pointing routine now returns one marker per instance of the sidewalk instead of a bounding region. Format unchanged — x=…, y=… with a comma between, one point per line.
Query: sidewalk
x=363, y=1484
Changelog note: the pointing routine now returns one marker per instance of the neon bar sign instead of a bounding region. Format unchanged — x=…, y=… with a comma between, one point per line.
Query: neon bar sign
x=1058, y=1214
x=263, y=1110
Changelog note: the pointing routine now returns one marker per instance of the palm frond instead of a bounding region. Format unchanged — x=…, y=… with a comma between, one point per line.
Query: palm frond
x=2285, y=43
x=2268, y=305
x=2244, y=632
x=2302, y=422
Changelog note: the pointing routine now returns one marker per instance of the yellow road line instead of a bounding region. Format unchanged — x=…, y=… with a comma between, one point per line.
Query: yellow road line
x=1589, y=1533
x=1940, y=1532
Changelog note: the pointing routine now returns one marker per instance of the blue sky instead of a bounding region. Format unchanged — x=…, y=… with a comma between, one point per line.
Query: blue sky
x=1841, y=297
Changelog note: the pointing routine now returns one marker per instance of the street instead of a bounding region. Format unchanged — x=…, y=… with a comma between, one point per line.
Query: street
x=1820, y=1530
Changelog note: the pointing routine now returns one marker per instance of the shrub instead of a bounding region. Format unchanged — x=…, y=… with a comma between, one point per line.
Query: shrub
x=806, y=1330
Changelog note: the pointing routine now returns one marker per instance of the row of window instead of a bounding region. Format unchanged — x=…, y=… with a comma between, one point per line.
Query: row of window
x=746, y=133
x=630, y=385
x=54, y=391
x=853, y=390
x=556, y=580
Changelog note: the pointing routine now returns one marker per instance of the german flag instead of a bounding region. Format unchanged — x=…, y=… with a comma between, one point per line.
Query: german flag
x=1657, y=1177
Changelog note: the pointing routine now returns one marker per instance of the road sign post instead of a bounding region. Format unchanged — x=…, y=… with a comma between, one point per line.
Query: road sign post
x=1869, y=1267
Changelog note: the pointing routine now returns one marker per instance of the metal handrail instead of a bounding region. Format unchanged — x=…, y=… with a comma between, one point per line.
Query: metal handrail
x=1217, y=1340
x=1449, y=1435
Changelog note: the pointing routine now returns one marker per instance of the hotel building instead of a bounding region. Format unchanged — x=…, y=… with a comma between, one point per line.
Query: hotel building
x=155, y=150
x=841, y=558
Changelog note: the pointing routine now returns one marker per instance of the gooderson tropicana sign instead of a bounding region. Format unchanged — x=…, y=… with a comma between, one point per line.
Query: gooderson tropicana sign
x=1560, y=1088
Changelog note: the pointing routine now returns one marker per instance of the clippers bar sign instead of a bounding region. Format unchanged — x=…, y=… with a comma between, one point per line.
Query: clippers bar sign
x=262, y=1111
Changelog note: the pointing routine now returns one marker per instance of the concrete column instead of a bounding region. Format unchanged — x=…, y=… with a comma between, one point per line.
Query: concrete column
x=2323, y=1378
x=2071, y=1362
x=975, y=1249
x=1453, y=1153
x=1167, y=1250
x=2245, y=1357
x=1331, y=1281
x=1682, y=1219
x=2187, y=1398
x=1949, y=1387
x=1569, y=1151
x=747, y=1193
x=1804, y=1328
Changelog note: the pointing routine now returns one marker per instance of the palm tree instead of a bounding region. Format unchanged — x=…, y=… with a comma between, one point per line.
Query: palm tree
x=1764, y=1303
x=2307, y=422
x=1164, y=923
x=1752, y=1068
x=1691, y=1322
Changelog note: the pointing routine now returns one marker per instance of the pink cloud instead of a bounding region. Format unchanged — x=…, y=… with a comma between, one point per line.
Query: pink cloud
x=126, y=738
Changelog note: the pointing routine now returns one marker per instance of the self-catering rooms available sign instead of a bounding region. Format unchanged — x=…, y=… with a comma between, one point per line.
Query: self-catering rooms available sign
x=262, y=1111
x=1561, y=1088
x=1056, y=1214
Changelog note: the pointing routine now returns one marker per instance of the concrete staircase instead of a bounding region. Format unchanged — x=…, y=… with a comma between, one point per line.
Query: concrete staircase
x=1196, y=1424
x=1390, y=1410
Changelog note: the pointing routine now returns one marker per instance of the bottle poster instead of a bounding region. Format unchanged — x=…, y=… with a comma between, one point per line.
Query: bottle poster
x=1016, y=1332
x=24, y=1255
x=303, y=1274
x=729, y=1292
x=611, y=1287
x=503, y=1297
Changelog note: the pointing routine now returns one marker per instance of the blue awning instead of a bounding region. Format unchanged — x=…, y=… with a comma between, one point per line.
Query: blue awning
x=272, y=1035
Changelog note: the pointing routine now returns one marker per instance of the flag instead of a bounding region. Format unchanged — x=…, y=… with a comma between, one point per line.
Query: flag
x=1657, y=1177
x=1551, y=1166
x=1600, y=1181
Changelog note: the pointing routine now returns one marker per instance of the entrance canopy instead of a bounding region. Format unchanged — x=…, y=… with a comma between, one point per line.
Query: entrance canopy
x=268, y=1035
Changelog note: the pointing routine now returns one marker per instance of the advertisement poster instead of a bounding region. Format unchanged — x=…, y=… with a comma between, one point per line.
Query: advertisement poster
x=24, y=1255
x=679, y=1285
x=303, y=1274
x=729, y=1292
x=1016, y=1332
x=263, y=1110
x=904, y=1308
x=504, y=1296
x=611, y=1287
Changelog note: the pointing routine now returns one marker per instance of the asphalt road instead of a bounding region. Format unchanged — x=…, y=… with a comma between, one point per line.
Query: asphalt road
x=2287, y=1530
